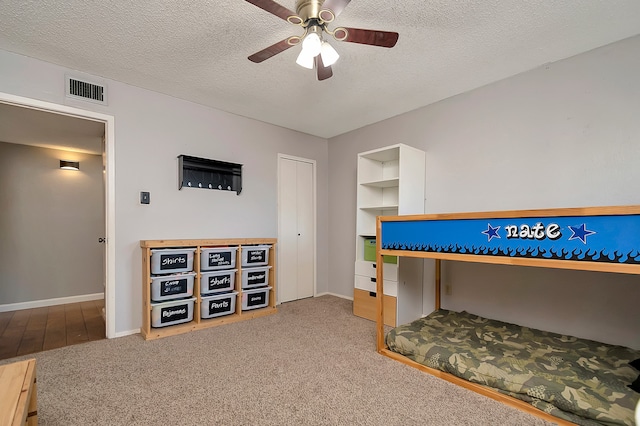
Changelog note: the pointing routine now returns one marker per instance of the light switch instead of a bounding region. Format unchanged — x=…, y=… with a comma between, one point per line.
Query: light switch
x=145, y=198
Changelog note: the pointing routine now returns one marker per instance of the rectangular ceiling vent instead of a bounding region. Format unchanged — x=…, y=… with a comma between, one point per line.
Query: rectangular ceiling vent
x=85, y=90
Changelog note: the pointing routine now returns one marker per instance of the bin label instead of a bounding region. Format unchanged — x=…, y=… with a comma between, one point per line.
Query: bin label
x=173, y=261
x=256, y=278
x=173, y=287
x=219, y=306
x=174, y=313
x=257, y=256
x=257, y=299
x=220, y=258
x=217, y=282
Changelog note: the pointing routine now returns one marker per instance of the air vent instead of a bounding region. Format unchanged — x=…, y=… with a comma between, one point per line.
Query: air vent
x=88, y=91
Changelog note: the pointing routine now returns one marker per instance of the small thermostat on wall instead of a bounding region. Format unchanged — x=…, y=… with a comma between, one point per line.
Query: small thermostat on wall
x=145, y=197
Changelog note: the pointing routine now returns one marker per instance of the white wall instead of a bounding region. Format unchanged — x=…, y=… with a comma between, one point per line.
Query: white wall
x=563, y=135
x=151, y=130
x=50, y=223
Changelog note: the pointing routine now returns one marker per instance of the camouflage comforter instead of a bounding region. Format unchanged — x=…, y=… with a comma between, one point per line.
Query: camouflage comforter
x=578, y=380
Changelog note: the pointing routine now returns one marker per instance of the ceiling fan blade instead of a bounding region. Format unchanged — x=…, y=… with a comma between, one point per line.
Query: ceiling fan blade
x=336, y=6
x=322, y=71
x=273, y=7
x=270, y=51
x=370, y=37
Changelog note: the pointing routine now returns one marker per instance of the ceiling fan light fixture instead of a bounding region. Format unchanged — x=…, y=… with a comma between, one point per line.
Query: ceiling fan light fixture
x=329, y=54
x=313, y=16
x=305, y=59
x=312, y=44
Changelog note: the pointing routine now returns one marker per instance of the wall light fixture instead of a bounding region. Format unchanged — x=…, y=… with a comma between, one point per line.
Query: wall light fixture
x=69, y=165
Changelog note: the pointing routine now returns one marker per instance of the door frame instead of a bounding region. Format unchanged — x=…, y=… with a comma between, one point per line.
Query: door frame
x=109, y=182
x=315, y=218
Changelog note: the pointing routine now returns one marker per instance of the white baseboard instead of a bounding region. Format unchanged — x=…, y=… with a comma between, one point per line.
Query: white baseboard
x=126, y=333
x=50, y=302
x=327, y=293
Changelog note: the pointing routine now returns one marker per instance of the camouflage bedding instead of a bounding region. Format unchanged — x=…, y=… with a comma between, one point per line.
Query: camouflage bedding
x=582, y=381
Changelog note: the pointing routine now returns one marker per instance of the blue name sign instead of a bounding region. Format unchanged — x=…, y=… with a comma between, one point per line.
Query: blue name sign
x=606, y=238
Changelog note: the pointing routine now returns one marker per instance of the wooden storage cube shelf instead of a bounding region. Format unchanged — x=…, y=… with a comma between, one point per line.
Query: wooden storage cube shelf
x=364, y=305
x=155, y=333
x=197, y=323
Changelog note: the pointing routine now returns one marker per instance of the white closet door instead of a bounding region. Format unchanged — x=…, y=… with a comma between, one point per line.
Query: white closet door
x=305, y=225
x=296, y=253
x=287, y=232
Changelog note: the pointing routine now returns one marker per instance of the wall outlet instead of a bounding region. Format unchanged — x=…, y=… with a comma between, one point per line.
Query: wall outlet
x=447, y=289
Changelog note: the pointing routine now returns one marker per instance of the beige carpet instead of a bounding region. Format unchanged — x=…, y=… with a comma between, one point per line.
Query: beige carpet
x=312, y=363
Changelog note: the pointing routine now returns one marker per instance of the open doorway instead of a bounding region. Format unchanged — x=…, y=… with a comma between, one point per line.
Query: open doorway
x=39, y=135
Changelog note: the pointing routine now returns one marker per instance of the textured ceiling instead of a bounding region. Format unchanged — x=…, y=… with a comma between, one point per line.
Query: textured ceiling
x=197, y=50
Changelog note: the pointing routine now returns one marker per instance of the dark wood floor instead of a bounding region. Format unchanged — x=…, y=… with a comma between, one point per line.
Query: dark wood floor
x=39, y=329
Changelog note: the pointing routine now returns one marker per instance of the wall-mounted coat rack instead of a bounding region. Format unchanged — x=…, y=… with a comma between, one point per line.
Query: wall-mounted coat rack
x=209, y=174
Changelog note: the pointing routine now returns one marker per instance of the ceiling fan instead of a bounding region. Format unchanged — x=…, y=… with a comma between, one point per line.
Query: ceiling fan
x=314, y=16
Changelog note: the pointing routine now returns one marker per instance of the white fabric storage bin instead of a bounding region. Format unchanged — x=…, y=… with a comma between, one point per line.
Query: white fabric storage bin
x=217, y=281
x=167, y=287
x=218, y=305
x=256, y=298
x=213, y=258
x=257, y=255
x=171, y=313
x=170, y=261
x=255, y=277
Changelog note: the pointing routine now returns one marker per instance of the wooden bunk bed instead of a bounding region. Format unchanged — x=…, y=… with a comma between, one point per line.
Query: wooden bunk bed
x=605, y=239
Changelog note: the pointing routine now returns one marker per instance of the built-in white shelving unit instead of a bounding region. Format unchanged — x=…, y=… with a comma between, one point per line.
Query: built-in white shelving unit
x=391, y=181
